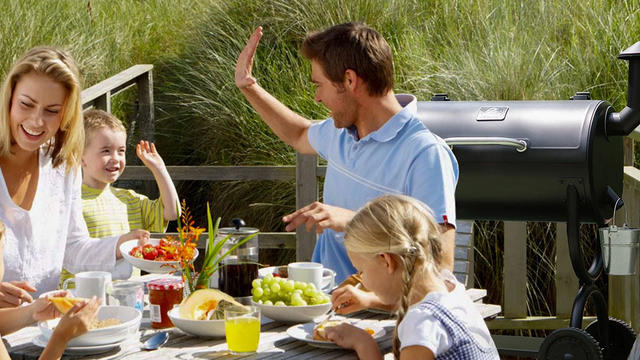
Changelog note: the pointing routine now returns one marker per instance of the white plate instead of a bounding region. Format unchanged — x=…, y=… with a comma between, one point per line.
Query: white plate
x=328, y=276
x=129, y=323
x=151, y=266
x=41, y=341
x=293, y=314
x=203, y=328
x=304, y=332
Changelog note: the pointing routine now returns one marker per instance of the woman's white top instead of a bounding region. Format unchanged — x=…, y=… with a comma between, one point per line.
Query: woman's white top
x=421, y=328
x=53, y=234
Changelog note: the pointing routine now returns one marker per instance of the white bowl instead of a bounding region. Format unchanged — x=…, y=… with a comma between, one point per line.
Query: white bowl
x=328, y=276
x=203, y=328
x=293, y=314
x=150, y=266
x=129, y=324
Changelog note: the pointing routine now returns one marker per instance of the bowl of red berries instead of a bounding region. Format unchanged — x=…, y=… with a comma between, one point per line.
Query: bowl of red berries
x=159, y=256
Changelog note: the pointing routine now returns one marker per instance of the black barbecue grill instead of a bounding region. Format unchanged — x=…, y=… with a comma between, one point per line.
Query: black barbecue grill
x=547, y=161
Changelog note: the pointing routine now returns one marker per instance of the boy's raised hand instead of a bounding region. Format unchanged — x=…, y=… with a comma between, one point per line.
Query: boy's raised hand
x=245, y=60
x=147, y=152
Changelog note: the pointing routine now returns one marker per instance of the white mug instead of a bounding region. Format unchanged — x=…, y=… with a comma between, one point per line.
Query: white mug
x=307, y=272
x=91, y=283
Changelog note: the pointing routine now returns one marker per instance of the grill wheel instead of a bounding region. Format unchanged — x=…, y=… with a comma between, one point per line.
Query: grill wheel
x=570, y=344
x=621, y=338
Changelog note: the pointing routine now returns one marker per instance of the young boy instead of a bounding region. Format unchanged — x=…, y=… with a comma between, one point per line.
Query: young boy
x=110, y=211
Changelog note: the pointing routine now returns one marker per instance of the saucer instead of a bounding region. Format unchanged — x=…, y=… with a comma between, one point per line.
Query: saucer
x=41, y=341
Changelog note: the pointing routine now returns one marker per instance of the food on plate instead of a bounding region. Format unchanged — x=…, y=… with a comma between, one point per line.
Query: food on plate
x=207, y=304
x=64, y=304
x=319, y=330
x=278, y=291
x=281, y=271
x=165, y=250
x=99, y=324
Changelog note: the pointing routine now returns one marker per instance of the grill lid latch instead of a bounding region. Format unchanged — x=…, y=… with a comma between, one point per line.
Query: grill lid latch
x=581, y=95
x=440, y=97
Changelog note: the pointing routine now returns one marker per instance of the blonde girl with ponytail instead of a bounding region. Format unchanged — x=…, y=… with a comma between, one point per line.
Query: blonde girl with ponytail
x=395, y=244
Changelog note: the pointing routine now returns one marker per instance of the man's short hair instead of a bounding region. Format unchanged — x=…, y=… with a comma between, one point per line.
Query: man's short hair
x=354, y=46
x=96, y=119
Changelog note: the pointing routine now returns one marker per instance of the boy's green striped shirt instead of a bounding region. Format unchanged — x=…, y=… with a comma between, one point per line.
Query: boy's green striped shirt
x=115, y=211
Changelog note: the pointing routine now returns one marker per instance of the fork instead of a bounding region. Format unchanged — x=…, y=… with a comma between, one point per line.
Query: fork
x=333, y=310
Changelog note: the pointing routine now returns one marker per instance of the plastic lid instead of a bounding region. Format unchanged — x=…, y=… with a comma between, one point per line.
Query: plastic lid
x=126, y=284
x=165, y=284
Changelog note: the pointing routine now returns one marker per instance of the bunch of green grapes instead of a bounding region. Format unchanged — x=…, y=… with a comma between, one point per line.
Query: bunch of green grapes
x=283, y=292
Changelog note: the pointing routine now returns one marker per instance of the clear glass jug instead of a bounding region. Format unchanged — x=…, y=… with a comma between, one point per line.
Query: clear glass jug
x=240, y=267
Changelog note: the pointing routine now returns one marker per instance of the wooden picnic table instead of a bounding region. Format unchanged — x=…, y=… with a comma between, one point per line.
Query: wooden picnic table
x=274, y=344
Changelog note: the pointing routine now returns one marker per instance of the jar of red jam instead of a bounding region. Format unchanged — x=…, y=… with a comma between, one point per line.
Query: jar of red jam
x=164, y=294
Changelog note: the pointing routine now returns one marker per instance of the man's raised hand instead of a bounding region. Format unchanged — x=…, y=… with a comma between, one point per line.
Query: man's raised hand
x=245, y=60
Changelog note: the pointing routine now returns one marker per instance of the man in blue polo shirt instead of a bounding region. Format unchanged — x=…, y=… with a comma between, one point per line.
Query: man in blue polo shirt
x=373, y=142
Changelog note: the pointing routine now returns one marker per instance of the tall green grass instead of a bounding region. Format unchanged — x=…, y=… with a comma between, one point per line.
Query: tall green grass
x=104, y=36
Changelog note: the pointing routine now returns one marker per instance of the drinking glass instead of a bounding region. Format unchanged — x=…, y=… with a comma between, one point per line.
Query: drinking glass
x=242, y=329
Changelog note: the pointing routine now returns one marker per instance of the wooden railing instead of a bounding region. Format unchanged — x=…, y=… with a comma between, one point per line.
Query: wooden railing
x=623, y=301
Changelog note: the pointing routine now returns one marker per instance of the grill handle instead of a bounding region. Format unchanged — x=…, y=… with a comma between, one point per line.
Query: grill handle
x=519, y=144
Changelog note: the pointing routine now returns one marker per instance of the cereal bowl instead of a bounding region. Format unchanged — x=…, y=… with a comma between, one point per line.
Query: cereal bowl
x=129, y=322
x=202, y=328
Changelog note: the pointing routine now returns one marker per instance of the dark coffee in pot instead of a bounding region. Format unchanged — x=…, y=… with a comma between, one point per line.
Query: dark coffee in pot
x=236, y=278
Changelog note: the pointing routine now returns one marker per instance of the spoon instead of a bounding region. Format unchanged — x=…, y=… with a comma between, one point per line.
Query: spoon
x=156, y=341
x=152, y=343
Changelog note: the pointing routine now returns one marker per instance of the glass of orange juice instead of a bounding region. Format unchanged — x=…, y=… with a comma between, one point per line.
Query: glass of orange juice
x=242, y=329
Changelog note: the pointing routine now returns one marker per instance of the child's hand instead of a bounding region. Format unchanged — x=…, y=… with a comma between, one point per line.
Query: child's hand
x=348, y=336
x=150, y=158
x=77, y=320
x=348, y=299
x=43, y=309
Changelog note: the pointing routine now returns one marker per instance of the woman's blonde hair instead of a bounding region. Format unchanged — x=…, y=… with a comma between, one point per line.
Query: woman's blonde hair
x=67, y=145
x=402, y=226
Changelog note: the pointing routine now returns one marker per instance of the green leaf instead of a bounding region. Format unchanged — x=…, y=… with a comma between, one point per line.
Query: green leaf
x=241, y=242
x=179, y=224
